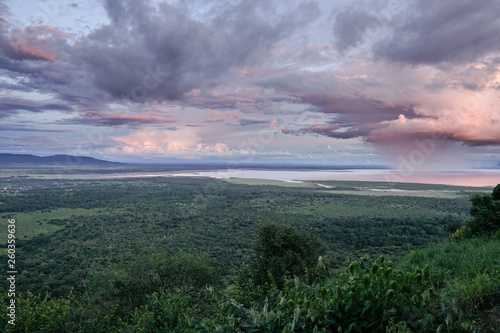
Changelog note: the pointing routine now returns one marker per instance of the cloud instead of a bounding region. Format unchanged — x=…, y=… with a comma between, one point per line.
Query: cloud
x=33, y=43
x=224, y=113
x=113, y=120
x=450, y=126
x=12, y=106
x=448, y=31
x=350, y=27
x=376, y=73
x=161, y=52
x=358, y=108
x=248, y=122
x=336, y=131
x=185, y=142
x=20, y=128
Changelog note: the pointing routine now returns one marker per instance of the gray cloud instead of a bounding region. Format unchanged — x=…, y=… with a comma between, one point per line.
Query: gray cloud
x=453, y=31
x=102, y=119
x=161, y=53
x=337, y=130
x=11, y=106
x=350, y=27
x=148, y=52
x=358, y=108
x=20, y=128
x=246, y=122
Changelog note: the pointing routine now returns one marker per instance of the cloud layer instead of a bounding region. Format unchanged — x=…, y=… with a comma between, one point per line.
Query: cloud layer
x=315, y=74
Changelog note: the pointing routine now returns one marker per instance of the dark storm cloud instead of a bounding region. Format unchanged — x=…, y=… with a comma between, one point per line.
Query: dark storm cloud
x=358, y=108
x=247, y=122
x=20, y=128
x=103, y=119
x=454, y=31
x=160, y=53
x=350, y=27
x=147, y=52
x=337, y=131
x=11, y=106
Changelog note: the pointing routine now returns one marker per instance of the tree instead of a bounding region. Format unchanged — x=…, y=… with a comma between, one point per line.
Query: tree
x=283, y=251
x=496, y=192
x=183, y=275
x=485, y=210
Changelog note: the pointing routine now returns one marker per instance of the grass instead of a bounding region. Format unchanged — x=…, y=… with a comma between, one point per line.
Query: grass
x=468, y=275
x=464, y=260
x=29, y=225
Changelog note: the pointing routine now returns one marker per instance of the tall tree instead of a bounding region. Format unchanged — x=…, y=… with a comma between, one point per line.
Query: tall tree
x=282, y=251
x=485, y=209
x=496, y=192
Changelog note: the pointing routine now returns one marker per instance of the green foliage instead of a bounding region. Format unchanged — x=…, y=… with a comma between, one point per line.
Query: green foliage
x=479, y=292
x=131, y=284
x=164, y=313
x=485, y=210
x=41, y=314
x=88, y=226
x=282, y=251
x=453, y=226
x=35, y=313
x=460, y=234
x=368, y=297
x=441, y=288
x=468, y=275
x=496, y=193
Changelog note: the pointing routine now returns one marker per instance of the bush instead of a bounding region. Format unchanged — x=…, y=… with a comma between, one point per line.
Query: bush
x=460, y=235
x=496, y=193
x=164, y=313
x=485, y=210
x=130, y=286
x=283, y=251
x=368, y=297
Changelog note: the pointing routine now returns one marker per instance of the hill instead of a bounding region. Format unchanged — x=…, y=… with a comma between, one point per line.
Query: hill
x=26, y=160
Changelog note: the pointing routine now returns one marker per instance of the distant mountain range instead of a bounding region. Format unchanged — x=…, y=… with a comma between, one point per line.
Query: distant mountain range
x=25, y=160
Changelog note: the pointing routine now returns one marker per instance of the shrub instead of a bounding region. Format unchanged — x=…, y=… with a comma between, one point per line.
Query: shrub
x=460, y=234
x=368, y=297
x=485, y=210
x=282, y=251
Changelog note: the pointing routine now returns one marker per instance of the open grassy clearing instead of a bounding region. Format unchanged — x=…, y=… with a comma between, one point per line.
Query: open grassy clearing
x=29, y=225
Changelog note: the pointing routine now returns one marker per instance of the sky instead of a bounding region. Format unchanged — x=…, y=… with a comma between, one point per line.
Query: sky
x=411, y=84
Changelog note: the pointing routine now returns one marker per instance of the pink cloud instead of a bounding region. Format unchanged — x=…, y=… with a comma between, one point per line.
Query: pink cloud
x=23, y=50
x=224, y=113
x=31, y=43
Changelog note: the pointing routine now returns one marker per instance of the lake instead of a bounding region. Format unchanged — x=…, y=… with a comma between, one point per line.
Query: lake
x=477, y=177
